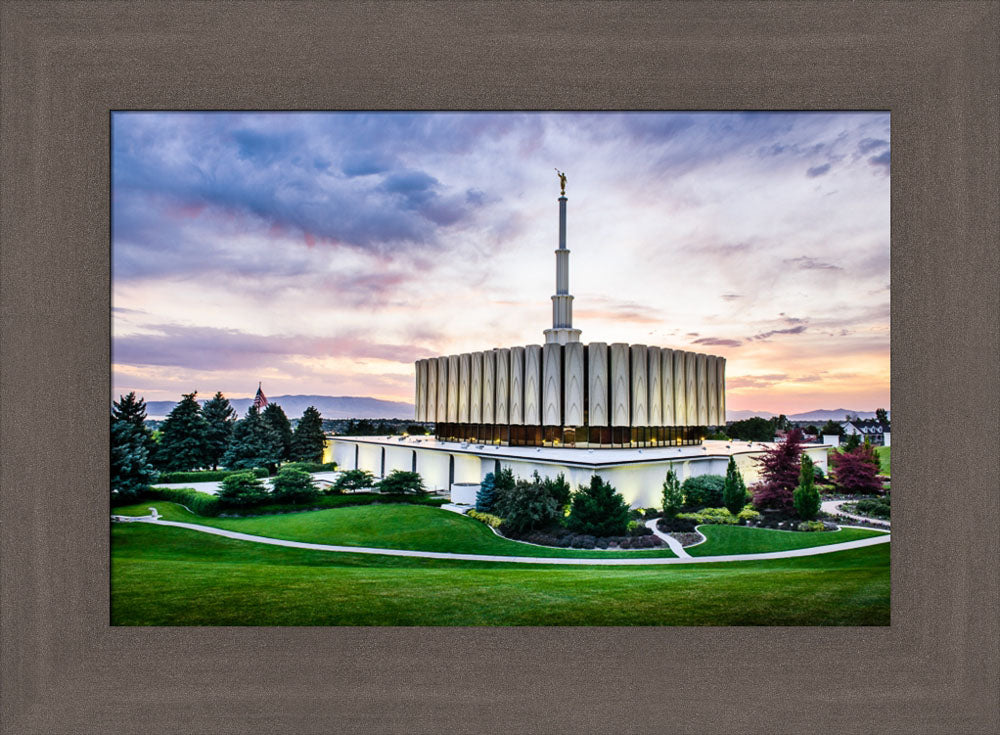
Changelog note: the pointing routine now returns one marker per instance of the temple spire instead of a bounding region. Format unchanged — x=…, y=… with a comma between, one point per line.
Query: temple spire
x=562, y=331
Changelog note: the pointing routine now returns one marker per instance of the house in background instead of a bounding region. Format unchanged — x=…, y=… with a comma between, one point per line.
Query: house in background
x=876, y=432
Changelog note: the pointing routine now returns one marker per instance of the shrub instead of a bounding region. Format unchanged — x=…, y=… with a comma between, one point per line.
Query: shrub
x=488, y=518
x=597, y=509
x=486, y=495
x=241, y=490
x=713, y=516
x=310, y=466
x=676, y=525
x=205, y=475
x=874, y=508
x=854, y=473
x=812, y=526
x=734, y=491
x=197, y=502
x=527, y=505
x=294, y=486
x=402, y=482
x=557, y=488
x=805, y=497
x=353, y=480
x=703, y=491
x=748, y=514
x=673, y=498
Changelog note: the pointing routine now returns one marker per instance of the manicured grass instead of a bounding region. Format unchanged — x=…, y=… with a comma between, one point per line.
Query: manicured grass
x=383, y=526
x=883, y=454
x=743, y=540
x=171, y=576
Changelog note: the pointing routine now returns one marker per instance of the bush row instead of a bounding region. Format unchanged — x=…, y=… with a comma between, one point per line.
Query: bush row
x=310, y=466
x=565, y=539
x=205, y=475
x=874, y=508
x=722, y=516
x=488, y=518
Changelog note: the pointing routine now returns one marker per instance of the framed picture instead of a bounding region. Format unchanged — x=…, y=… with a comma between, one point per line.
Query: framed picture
x=932, y=68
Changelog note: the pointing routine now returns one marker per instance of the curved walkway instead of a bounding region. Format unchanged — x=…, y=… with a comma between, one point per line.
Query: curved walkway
x=674, y=544
x=640, y=561
x=833, y=508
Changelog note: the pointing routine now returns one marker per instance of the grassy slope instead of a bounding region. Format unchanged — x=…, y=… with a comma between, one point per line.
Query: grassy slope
x=743, y=540
x=382, y=526
x=884, y=453
x=172, y=576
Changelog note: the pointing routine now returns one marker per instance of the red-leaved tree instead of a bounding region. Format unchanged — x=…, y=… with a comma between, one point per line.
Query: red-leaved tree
x=854, y=473
x=779, y=473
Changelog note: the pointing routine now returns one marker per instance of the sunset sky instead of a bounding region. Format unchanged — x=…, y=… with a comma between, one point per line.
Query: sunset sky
x=322, y=253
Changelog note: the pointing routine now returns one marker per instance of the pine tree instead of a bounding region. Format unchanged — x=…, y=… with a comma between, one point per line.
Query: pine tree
x=673, y=498
x=133, y=410
x=598, y=510
x=274, y=416
x=219, y=417
x=486, y=494
x=131, y=471
x=182, y=437
x=253, y=444
x=734, y=492
x=805, y=497
x=882, y=416
x=308, y=440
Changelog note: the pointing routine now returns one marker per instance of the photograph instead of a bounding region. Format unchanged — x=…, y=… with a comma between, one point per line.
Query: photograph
x=520, y=368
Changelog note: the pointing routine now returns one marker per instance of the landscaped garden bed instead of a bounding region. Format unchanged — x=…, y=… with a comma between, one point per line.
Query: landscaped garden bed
x=562, y=538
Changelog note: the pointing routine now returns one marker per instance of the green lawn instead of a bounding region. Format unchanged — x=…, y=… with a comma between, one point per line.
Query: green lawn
x=743, y=540
x=172, y=576
x=385, y=526
x=883, y=455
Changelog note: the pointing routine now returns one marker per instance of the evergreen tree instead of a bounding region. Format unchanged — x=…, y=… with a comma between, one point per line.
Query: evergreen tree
x=133, y=410
x=274, y=416
x=253, y=444
x=352, y=481
x=241, y=490
x=401, y=482
x=734, y=492
x=598, y=510
x=851, y=443
x=673, y=498
x=805, y=498
x=558, y=488
x=868, y=452
x=831, y=428
x=882, y=416
x=308, y=439
x=182, y=437
x=219, y=417
x=486, y=494
x=294, y=486
x=131, y=471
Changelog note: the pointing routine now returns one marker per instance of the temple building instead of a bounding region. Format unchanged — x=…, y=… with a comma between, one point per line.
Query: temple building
x=628, y=412
x=567, y=393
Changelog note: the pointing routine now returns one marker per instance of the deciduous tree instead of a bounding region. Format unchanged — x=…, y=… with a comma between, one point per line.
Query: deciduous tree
x=779, y=471
x=854, y=473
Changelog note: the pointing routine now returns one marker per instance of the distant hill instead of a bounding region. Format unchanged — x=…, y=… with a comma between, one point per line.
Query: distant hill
x=820, y=414
x=331, y=407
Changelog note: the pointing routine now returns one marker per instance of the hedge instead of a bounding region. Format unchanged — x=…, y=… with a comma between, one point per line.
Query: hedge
x=310, y=466
x=199, y=503
x=488, y=518
x=205, y=475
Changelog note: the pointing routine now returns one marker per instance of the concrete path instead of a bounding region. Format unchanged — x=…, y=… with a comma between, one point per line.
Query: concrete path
x=674, y=544
x=833, y=508
x=639, y=561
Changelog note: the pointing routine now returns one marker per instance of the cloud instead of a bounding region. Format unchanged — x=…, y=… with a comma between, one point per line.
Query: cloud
x=731, y=296
x=870, y=144
x=716, y=342
x=804, y=262
x=881, y=160
x=791, y=330
x=209, y=348
x=815, y=171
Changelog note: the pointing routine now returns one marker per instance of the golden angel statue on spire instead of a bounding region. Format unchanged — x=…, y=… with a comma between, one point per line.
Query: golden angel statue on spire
x=562, y=182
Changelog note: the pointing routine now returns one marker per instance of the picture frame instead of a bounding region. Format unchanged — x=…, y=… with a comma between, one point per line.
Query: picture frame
x=67, y=65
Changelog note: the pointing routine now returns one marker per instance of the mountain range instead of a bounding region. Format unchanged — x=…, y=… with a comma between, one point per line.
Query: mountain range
x=330, y=407
x=820, y=414
x=362, y=407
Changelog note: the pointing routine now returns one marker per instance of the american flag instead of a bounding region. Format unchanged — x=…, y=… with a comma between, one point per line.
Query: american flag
x=259, y=400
